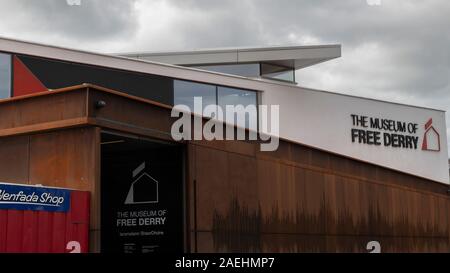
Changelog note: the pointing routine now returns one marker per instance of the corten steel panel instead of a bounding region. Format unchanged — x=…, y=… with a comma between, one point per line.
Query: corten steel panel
x=443, y=217
x=339, y=164
x=214, y=190
x=190, y=199
x=312, y=201
x=339, y=218
x=24, y=231
x=447, y=214
x=95, y=157
x=267, y=172
x=14, y=159
x=351, y=207
x=283, y=153
x=301, y=154
x=64, y=158
x=231, y=216
x=39, y=111
x=321, y=159
x=238, y=147
x=278, y=242
x=126, y=114
x=242, y=171
x=314, y=212
x=331, y=206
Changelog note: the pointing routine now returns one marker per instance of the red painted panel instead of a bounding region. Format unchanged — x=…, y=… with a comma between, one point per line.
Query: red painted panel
x=78, y=220
x=30, y=229
x=24, y=81
x=82, y=233
x=59, y=232
x=45, y=220
x=69, y=227
x=79, y=206
x=14, y=231
x=3, y=226
x=23, y=231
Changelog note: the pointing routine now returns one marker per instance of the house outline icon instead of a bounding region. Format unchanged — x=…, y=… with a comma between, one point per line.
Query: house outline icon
x=430, y=134
x=144, y=177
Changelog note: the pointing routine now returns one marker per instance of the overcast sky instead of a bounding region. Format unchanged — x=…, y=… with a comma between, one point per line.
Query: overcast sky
x=397, y=51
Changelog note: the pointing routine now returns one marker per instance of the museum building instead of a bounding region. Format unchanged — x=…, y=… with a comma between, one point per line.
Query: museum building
x=89, y=162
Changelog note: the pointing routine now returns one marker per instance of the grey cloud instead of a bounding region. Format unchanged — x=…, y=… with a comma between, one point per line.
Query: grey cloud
x=208, y=24
x=414, y=33
x=93, y=19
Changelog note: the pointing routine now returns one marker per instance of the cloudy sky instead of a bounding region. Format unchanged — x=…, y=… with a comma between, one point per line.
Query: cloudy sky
x=396, y=50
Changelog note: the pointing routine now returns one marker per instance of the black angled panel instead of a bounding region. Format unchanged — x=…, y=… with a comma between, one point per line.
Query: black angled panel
x=58, y=74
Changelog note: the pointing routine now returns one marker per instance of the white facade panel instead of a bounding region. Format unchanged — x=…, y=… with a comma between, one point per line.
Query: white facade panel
x=324, y=120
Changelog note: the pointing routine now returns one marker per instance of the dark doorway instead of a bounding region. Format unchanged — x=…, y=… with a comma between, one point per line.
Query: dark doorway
x=141, y=195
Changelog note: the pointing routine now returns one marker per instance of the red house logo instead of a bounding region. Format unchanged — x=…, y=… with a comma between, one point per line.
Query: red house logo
x=431, y=138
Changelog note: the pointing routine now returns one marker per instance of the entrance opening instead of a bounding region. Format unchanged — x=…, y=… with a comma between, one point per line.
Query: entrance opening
x=141, y=195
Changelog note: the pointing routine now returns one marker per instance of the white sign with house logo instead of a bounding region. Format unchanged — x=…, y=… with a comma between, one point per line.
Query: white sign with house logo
x=409, y=139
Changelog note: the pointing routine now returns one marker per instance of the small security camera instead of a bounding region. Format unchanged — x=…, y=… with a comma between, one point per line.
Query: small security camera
x=100, y=104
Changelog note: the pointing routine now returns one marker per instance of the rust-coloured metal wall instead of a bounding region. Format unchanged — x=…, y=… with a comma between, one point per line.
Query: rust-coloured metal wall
x=300, y=199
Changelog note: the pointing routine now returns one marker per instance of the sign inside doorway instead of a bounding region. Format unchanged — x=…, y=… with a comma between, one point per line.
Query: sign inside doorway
x=141, y=197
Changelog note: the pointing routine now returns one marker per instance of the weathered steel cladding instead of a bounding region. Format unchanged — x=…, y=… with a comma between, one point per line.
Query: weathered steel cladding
x=259, y=201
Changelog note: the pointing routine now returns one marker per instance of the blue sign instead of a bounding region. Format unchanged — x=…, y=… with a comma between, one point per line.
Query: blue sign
x=20, y=197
